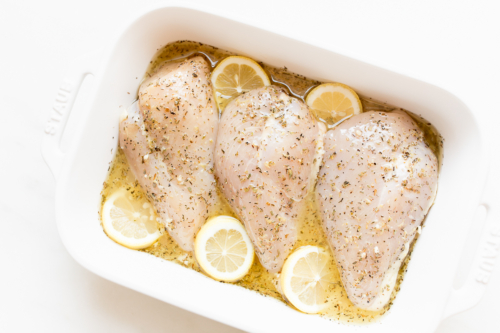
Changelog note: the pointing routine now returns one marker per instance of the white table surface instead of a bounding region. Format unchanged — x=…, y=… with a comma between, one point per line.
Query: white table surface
x=453, y=44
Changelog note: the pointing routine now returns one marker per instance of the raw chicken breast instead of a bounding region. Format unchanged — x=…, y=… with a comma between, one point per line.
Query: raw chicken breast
x=265, y=163
x=376, y=184
x=169, y=145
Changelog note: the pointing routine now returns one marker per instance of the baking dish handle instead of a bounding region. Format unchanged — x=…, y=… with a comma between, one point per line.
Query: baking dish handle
x=483, y=264
x=61, y=109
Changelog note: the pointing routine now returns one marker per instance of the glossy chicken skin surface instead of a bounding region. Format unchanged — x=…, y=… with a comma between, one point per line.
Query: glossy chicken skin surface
x=265, y=162
x=169, y=145
x=376, y=184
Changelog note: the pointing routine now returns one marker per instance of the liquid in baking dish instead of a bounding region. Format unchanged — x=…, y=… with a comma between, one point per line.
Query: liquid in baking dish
x=309, y=230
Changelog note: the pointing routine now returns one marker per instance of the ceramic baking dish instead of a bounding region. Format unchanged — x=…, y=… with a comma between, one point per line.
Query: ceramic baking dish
x=427, y=294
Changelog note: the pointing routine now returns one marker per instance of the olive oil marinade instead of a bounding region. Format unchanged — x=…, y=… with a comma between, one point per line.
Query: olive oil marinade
x=310, y=231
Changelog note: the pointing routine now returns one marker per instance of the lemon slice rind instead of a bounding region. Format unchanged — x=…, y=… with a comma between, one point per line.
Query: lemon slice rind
x=111, y=216
x=307, y=280
x=236, y=75
x=334, y=109
x=224, y=233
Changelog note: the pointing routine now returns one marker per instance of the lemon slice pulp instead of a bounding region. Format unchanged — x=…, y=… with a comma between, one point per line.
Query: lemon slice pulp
x=307, y=277
x=234, y=76
x=223, y=249
x=333, y=102
x=130, y=221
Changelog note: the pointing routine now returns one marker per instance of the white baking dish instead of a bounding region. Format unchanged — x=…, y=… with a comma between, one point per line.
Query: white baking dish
x=426, y=295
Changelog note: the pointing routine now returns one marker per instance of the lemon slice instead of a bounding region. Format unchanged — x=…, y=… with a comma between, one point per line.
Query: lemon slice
x=307, y=277
x=236, y=75
x=129, y=221
x=223, y=249
x=333, y=102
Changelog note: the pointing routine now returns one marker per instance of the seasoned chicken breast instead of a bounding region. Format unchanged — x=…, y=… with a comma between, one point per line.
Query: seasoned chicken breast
x=376, y=184
x=265, y=163
x=169, y=145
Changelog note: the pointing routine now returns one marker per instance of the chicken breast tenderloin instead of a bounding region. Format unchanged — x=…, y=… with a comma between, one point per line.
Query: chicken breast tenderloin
x=169, y=145
x=376, y=184
x=265, y=163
